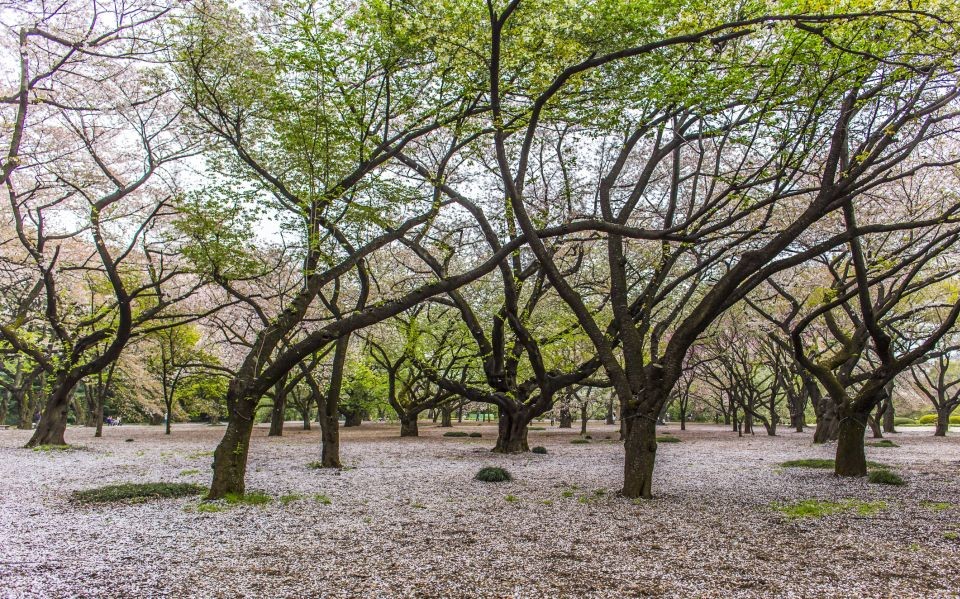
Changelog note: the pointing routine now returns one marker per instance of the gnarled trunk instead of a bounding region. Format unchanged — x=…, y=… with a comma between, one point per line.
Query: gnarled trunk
x=512, y=432
x=53, y=421
x=408, y=426
x=851, y=460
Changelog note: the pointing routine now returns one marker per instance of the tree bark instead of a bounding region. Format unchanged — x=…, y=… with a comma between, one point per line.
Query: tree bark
x=851, y=460
x=610, y=410
x=409, y=426
x=583, y=419
x=53, y=422
x=943, y=422
x=512, y=432
x=445, y=417
x=230, y=457
x=330, y=422
x=278, y=413
x=566, y=418
x=641, y=452
x=889, y=412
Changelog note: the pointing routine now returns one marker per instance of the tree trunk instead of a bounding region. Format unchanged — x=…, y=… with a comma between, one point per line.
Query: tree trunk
x=583, y=419
x=278, y=413
x=408, y=426
x=797, y=421
x=102, y=400
x=460, y=413
x=640, y=455
x=230, y=457
x=53, y=421
x=683, y=418
x=851, y=460
x=566, y=418
x=943, y=422
x=352, y=418
x=889, y=412
x=874, y=423
x=169, y=417
x=828, y=425
x=446, y=417
x=512, y=432
x=24, y=409
x=610, y=410
x=305, y=416
x=330, y=422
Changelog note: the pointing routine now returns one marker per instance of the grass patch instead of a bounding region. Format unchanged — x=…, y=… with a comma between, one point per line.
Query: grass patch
x=251, y=498
x=493, y=474
x=137, y=492
x=199, y=454
x=951, y=536
x=808, y=463
x=321, y=498
x=883, y=443
x=511, y=499
x=209, y=508
x=936, y=506
x=667, y=439
x=290, y=498
x=539, y=449
x=886, y=477
x=52, y=448
x=823, y=463
x=579, y=441
x=475, y=435
x=568, y=494
x=189, y=472
x=455, y=434
x=815, y=508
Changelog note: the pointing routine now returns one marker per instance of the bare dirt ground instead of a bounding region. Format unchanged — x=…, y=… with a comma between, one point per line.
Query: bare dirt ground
x=406, y=519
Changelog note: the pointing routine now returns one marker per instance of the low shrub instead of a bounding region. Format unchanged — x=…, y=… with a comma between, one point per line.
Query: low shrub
x=493, y=474
x=927, y=419
x=883, y=443
x=903, y=421
x=886, y=477
x=667, y=439
x=455, y=434
x=136, y=492
x=536, y=428
x=539, y=449
x=579, y=441
x=955, y=419
x=476, y=435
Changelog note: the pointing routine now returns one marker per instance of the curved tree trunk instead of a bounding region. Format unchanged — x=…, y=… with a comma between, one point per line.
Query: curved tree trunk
x=230, y=456
x=53, y=421
x=330, y=421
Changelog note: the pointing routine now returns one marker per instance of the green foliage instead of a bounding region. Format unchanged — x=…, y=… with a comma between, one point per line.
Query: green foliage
x=289, y=498
x=951, y=535
x=493, y=474
x=815, y=508
x=927, y=419
x=511, y=499
x=315, y=465
x=885, y=477
x=52, y=448
x=136, y=492
x=252, y=498
x=189, y=472
x=882, y=443
x=209, y=507
x=904, y=421
x=539, y=449
x=455, y=434
x=476, y=435
x=579, y=441
x=322, y=499
x=667, y=439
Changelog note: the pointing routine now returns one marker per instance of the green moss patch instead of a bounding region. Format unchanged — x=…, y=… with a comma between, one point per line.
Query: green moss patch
x=815, y=508
x=137, y=492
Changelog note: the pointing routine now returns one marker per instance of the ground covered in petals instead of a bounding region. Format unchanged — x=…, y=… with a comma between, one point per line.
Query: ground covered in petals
x=406, y=518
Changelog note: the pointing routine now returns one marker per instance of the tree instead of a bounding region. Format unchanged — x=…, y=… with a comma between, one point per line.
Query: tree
x=935, y=379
